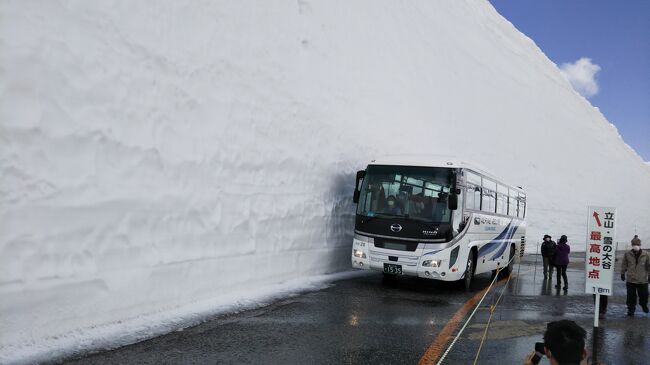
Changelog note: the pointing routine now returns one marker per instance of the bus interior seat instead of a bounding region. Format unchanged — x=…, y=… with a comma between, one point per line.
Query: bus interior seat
x=403, y=201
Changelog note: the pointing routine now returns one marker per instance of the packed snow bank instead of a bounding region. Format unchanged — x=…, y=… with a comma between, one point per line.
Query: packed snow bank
x=155, y=323
x=158, y=155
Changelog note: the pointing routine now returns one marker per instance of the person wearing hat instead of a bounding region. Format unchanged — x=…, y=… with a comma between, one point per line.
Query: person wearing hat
x=561, y=261
x=636, y=267
x=548, y=251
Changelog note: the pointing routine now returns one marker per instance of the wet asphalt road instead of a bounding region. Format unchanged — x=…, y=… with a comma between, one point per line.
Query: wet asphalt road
x=369, y=320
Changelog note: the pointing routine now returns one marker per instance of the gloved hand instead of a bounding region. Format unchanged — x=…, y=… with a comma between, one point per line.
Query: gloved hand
x=623, y=276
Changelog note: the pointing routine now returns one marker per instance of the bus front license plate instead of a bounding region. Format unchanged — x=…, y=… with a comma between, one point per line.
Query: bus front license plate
x=393, y=269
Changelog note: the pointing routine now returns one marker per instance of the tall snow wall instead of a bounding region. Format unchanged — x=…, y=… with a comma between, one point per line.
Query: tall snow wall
x=156, y=155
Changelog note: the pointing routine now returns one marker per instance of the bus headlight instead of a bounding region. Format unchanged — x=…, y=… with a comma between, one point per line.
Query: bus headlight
x=358, y=253
x=432, y=263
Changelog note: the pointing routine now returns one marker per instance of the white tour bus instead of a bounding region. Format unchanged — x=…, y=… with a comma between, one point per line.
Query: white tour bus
x=436, y=219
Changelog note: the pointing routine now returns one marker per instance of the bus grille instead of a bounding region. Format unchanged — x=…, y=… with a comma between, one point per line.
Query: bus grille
x=398, y=245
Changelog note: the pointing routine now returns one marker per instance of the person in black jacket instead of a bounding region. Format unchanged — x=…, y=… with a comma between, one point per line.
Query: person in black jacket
x=548, y=251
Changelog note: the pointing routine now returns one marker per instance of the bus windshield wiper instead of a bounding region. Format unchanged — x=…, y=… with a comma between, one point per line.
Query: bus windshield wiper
x=392, y=215
x=368, y=218
x=384, y=215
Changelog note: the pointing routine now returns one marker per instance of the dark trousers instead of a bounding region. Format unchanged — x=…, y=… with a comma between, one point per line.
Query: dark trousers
x=561, y=270
x=548, y=266
x=632, y=291
x=603, y=303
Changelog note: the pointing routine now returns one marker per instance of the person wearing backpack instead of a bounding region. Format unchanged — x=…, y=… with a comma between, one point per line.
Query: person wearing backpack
x=548, y=252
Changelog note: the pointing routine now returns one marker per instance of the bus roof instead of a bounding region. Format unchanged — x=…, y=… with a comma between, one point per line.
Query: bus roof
x=436, y=161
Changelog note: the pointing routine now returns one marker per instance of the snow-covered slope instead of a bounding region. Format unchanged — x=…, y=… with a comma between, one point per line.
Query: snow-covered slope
x=158, y=156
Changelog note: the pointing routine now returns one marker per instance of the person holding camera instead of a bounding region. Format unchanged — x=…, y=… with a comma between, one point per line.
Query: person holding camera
x=564, y=344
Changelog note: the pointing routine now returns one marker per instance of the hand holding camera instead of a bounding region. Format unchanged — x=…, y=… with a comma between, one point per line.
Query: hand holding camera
x=539, y=352
x=534, y=357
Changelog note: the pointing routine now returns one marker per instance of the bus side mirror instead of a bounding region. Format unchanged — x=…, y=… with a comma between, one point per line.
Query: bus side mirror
x=452, y=202
x=357, y=187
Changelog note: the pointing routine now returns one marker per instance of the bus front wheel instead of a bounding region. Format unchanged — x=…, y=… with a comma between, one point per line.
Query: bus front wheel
x=469, y=272
x=511, y=261
x=507, y=270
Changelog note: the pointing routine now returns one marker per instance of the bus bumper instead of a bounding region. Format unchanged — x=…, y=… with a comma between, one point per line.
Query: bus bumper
x=365, y=256
x=360, y=263
x=439, y=274
x=443, y=274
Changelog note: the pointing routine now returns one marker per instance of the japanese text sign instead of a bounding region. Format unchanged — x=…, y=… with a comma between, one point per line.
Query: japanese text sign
x=601, y=250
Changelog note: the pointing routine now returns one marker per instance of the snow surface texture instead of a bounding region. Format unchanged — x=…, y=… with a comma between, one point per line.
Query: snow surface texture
x=158, y=156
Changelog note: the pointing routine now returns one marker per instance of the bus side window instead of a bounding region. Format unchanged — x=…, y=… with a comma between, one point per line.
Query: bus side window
x=512, y=203
x=488, y=203
x=502, y=199
x=473, y=191
x=471, y=201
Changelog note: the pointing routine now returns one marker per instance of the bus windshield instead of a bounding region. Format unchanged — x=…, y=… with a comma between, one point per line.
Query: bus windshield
x=418, y=193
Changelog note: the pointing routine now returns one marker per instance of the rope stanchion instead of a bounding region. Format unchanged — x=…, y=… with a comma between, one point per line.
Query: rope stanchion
x=478, y=305
x=487, y=325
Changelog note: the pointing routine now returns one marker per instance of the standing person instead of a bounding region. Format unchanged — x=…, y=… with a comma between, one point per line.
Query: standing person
x=636, y=264
x=561, y=261
x=548, y=251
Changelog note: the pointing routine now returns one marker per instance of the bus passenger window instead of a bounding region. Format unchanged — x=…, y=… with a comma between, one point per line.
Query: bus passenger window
x=473, y=197
x=502, y=199
x=473, y=192
x=512, y=203
x=522, y=205
x=489, y=201
x=489, y=196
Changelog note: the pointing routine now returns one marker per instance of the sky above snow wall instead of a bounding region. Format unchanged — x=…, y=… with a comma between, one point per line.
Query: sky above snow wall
x=156, y=155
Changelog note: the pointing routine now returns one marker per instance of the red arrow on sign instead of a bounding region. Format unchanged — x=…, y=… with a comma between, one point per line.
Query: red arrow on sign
x=597, y=220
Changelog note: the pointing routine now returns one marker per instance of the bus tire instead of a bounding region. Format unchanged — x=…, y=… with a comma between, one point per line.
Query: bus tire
x=469, y=271
x=511, y=262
